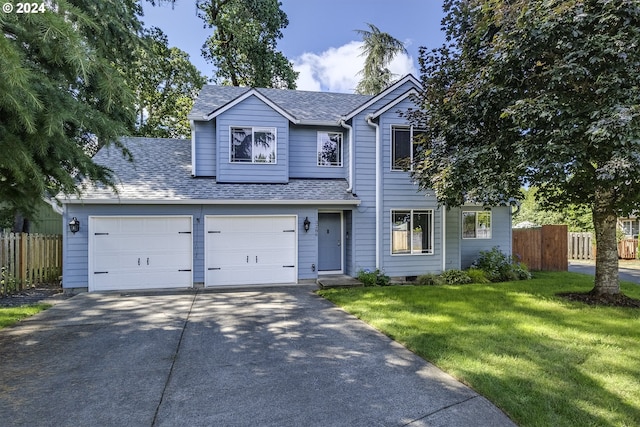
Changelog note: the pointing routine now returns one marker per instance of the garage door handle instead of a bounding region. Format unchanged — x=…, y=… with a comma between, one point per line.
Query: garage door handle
x=138, y=261
x=147, y=261
x=247, y=258
x=100, y=272
x=184, y=270
x=288, y=266
x=256, y=259
x=214, y=268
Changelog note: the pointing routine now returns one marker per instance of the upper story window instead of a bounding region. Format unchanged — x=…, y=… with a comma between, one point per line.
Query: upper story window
x=405, y=141
x=476, y=225
x=253, y=145
x=329, y=149
x=411, y=232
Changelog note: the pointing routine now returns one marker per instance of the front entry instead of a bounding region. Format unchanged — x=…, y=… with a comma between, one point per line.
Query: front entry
x=330, y=242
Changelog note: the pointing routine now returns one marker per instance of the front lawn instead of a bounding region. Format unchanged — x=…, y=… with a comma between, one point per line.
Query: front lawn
x=11, y=315
x=542, y=359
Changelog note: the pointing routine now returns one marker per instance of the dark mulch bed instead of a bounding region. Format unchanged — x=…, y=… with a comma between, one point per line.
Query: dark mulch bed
x=48, y=294
x=593, y=298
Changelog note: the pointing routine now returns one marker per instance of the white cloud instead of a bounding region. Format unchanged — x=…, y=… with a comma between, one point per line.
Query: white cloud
x=336, y=69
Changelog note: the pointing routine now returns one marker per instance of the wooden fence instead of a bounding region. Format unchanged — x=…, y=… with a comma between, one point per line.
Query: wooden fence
x=628, y=248
x=581, y=246
x=28, y=260
x=543, y=248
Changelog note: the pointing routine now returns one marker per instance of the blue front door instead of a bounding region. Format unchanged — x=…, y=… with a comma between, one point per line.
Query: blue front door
x=329, y=242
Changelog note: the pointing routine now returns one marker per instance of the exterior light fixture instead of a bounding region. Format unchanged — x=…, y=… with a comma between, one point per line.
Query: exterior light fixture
x=307, y=224
x=74, y=225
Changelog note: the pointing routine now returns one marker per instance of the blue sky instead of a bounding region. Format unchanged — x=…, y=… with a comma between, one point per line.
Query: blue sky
x=320, y=39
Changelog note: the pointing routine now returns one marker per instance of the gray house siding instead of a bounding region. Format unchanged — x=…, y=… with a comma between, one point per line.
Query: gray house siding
x=252, y=112
x=75, y=262
x=453, y=233
x=303, y=141
x=500, y=235
x=205, y=148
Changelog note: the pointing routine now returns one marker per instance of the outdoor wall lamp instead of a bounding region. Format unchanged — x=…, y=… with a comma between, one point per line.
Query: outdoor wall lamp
x=306, y=224
x=74, y=225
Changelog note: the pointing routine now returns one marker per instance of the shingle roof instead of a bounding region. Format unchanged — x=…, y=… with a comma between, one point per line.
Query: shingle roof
x=161, y=171
x=305, y=106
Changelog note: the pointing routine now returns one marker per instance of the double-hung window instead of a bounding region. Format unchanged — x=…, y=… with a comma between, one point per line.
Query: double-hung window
x=411, y=232
x=253, y=145
x=405, y=141
x=476, y=225
x=329, y=149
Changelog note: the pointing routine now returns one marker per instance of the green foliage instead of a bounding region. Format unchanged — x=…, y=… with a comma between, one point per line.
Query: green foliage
x=373, y=278
x=478, y=276
x=577, y=218
x=63, y=94
x=500, y=267
x=243, y=45
x=429, y=279
x=379, y=49
x=165, y=83
x=455, y=277
x=537, y=93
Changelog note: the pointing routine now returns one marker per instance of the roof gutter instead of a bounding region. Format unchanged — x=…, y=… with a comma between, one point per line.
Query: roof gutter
x=344, y=124
x=378, y=188
x=207, y=202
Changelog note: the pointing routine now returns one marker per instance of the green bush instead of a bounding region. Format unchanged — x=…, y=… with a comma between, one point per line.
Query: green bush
x=478, y=276
x=500, y=267
x=455, y=277
x=429, y=279
x=373, y=278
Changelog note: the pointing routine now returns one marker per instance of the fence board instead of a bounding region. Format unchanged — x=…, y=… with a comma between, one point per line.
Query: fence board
x=581, y=245
x=29, y=260
x=627, y=248
x=543, y=248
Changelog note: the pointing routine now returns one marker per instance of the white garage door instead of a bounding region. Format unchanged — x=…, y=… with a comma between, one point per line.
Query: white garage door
x=139, y=252
x=243, y=250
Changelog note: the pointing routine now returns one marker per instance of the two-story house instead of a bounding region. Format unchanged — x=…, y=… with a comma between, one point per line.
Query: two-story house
x=275, y=187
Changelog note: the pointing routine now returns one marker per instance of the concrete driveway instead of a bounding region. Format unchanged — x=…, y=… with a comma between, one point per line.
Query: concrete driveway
x=268, y=357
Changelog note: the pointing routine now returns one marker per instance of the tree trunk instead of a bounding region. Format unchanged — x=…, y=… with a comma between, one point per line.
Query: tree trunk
x=605, y=224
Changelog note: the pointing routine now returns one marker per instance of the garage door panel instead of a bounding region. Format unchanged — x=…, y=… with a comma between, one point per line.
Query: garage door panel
x=249, y=250
x=140, y=252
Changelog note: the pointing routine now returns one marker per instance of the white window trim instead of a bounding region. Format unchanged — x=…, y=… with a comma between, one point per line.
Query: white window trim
x=431, y=226
x=411, y=130
x=318, y=148
x=476, y=225
x=253, y=130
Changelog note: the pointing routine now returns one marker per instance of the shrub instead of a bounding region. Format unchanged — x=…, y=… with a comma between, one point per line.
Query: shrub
x=429, y=280
x=478, y=276
x=500, y=267
x=455, y=277
x=373, y=278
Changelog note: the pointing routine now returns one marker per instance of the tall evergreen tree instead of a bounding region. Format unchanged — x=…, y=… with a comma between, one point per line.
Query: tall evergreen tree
x=379, y=49
x=243, y=45
x=63, y=93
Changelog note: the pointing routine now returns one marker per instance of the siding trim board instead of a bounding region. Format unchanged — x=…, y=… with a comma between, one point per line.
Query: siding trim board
x=210, y=202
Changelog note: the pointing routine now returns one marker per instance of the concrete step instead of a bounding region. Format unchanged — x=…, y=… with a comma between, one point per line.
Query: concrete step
x=338, y=281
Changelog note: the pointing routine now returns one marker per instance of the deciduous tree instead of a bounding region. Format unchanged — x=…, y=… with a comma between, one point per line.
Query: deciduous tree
x=165, y=83
x=545, y=93
x=243, y=45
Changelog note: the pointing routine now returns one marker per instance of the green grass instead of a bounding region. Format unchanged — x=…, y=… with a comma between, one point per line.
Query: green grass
x=544, y=360
x=12, y=315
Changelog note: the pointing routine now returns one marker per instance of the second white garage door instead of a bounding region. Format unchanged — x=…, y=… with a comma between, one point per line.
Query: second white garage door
x=245, y=250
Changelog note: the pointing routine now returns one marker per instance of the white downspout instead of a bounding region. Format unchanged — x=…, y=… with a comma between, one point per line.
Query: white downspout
x=192, y=125
x=350, y=129
x=378, y=188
